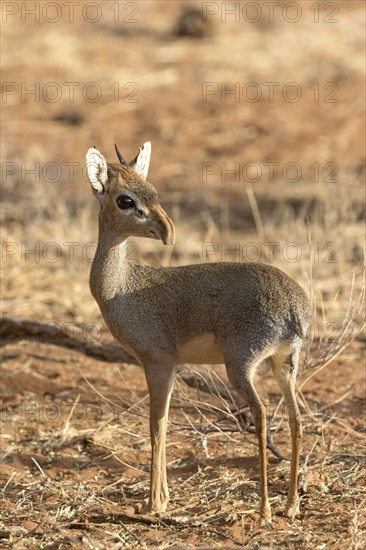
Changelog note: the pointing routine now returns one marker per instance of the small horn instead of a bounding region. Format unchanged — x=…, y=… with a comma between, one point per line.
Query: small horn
x=120, y=157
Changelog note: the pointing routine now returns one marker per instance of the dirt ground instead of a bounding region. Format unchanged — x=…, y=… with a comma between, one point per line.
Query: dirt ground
x=272, y=172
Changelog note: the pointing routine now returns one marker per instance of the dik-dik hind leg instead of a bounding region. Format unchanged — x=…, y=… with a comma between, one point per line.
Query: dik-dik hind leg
x=285, y=370
x=241, y=376
x=160, y=381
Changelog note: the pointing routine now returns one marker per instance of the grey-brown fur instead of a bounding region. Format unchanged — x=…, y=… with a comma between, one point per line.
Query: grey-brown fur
x=251, y=316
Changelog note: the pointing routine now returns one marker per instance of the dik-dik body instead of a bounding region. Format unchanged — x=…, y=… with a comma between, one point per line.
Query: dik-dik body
x=250, y=316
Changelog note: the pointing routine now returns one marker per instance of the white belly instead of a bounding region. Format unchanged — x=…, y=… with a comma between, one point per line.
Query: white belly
x=200, y=349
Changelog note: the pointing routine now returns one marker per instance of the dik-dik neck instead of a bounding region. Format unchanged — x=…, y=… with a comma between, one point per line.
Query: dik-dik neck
x=110, y=269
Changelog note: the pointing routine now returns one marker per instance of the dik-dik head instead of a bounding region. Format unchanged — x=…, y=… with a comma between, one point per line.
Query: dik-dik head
x=129, y=204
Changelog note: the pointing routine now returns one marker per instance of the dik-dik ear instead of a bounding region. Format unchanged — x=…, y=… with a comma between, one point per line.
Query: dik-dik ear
x=97, y=170
x=142, y=160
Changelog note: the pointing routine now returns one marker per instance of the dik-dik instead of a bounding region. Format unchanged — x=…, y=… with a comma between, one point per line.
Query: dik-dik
x=250, y=316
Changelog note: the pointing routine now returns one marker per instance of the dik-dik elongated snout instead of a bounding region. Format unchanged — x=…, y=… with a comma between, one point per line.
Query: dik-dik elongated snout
x=129, y=203
x=164, y=229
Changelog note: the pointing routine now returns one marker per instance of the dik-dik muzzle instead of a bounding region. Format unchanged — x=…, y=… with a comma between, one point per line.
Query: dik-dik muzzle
x=164, y=230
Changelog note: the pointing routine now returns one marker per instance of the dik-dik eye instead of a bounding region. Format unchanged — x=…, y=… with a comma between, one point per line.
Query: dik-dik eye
x=125, y=202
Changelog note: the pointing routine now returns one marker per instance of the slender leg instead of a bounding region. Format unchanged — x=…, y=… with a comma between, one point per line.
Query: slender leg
x=160, y=380
x=259, y=414
x=241, y=378
x=285, y=374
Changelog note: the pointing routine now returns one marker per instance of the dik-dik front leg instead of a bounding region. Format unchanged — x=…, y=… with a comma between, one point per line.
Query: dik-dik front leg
x=160, y=381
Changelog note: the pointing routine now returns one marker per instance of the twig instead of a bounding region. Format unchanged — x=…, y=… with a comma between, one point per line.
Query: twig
x=39, y=468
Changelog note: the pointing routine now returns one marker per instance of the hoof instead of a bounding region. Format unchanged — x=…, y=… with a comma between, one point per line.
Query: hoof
x=147, y=509
x=264, y=521
x=292, y=509
x=266, y=516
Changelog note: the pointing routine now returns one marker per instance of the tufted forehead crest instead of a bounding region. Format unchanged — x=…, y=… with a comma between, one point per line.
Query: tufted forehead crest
x=123, y=177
